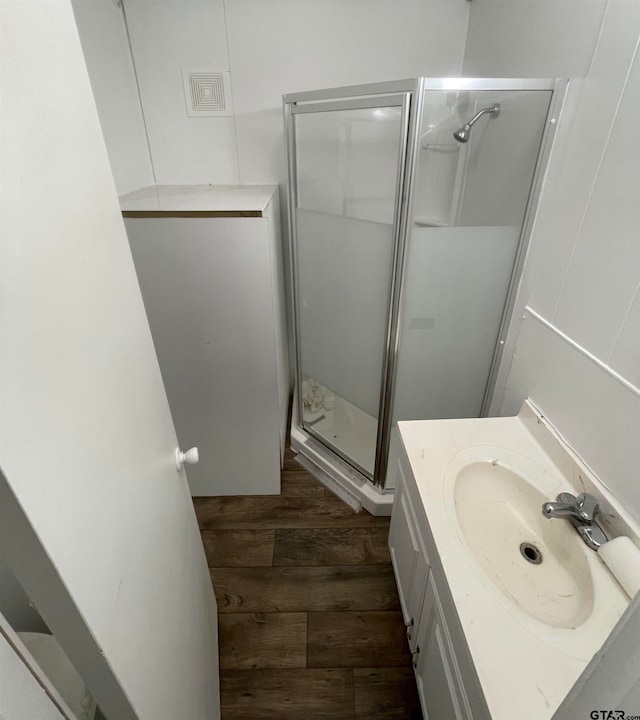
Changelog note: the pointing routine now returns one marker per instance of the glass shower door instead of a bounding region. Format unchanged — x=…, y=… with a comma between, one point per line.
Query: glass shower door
x=347, y=166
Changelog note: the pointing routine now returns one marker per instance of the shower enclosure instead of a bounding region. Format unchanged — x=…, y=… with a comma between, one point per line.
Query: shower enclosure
x=409, y=207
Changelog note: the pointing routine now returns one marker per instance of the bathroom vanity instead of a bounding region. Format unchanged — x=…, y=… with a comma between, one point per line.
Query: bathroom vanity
x=504, y=608
x=209, y=263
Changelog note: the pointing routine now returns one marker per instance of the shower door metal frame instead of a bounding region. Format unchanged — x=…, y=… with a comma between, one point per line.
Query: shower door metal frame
x=389, y=94
x=397, y=289
x=362, y=96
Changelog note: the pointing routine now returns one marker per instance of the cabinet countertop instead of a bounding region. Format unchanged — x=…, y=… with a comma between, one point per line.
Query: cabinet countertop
x=198, y=201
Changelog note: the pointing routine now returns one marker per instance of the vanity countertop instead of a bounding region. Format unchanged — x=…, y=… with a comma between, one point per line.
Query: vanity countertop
x=525, y=667
x=198, y=201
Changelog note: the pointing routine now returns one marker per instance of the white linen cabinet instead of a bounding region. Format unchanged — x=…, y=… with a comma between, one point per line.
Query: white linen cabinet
x=210, y=267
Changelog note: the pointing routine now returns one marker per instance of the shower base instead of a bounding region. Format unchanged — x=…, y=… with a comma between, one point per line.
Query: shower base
x=350, y=430
x=346, y=427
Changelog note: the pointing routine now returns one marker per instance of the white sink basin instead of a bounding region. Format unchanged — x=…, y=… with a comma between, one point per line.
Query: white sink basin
x=537, y=563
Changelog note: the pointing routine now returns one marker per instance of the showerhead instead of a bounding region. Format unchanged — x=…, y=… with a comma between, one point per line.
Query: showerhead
x=463, y=134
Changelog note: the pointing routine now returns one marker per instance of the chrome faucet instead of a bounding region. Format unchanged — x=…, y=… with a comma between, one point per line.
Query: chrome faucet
x=581, y=512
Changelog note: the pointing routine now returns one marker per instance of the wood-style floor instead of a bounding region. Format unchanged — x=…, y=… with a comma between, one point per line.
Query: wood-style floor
x=309, y=618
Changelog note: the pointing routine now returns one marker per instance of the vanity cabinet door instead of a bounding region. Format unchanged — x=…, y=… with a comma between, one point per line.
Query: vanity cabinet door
x=409, y=559
x=437, y=676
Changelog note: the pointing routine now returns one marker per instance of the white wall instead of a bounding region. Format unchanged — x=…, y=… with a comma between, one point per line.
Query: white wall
x=104, y=43
x=166, y=37
x=575, y=338
x=521, y=38
x=280, y=46
x=272, y=47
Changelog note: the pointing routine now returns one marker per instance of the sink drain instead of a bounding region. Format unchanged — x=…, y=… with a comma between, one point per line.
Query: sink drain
x=531, y=553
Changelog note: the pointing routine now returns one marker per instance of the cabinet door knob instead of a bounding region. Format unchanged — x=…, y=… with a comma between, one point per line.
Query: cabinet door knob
x=191, y=457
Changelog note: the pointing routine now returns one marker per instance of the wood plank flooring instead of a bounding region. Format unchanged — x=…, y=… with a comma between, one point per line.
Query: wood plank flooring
x=309, y=619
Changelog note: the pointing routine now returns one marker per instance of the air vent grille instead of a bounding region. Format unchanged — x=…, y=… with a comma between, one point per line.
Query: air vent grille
x=206, y=93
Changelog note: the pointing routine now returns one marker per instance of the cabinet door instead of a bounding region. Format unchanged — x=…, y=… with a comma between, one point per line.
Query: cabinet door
x=408, y=558
x=436, y=674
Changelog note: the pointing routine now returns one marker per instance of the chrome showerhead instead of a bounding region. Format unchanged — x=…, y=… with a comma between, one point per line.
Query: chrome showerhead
x=464, y=133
